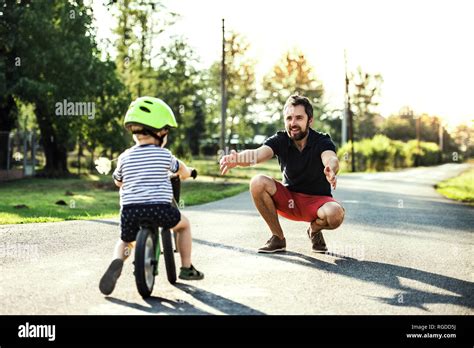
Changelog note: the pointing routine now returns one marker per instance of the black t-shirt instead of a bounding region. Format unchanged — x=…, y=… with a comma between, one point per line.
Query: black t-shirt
x=303, y=171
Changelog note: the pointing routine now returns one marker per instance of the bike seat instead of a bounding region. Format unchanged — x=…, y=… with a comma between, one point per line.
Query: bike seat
x=149, y=222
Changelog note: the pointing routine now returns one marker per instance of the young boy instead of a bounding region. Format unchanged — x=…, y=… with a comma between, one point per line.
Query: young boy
x=142, y=174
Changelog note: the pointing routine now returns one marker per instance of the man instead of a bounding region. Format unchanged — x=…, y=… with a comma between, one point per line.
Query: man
x=309, y=165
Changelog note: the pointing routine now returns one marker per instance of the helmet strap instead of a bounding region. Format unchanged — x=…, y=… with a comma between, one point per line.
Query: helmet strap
x=145, y=131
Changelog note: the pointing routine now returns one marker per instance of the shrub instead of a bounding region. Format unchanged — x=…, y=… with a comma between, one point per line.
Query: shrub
x=381, y=153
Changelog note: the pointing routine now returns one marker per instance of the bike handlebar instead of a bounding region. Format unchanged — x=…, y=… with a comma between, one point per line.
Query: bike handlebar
x=176, y=184
x=194, y=174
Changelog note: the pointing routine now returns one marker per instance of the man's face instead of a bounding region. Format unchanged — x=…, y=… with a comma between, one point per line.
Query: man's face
x=297, y=122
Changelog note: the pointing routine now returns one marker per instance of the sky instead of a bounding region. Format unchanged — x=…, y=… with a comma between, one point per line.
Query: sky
x=423, y=49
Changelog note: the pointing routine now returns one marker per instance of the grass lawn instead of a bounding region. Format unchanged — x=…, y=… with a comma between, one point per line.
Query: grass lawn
x=460, y=188
x=211, y=168
x=92, y=197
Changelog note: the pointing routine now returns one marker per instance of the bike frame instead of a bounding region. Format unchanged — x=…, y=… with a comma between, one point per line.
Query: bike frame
x=156, y=231
x=159, y=236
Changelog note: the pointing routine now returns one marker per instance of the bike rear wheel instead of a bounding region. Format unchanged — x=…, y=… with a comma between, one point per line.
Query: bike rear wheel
x=145, y=261
x=168, y=253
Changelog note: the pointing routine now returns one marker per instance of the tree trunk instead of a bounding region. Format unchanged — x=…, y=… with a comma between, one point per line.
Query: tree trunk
x=8, y=118
x=231, y=133
x=4, y=137
x=54, y=151
x=79, y=155
x=92, y=150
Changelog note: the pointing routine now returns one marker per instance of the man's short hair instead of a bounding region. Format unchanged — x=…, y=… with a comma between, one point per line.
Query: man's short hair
x=296, y=99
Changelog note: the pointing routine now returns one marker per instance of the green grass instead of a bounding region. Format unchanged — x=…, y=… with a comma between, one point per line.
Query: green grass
x=93, y=198
x=460, y=188
x=97, y=197
x=193, y=193
x=211, y=168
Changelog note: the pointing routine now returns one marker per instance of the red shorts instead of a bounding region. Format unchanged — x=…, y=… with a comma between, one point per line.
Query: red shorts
x=298, y=206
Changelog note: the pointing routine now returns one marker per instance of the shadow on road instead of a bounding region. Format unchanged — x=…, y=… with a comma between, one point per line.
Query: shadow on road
x=381, y=274
x=218, y=302
x=159, y=305
x=389, y=275
x=417, y=214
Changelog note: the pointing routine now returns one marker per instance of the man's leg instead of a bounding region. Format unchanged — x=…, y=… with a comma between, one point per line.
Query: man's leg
x=262, y=188
x=330, y=216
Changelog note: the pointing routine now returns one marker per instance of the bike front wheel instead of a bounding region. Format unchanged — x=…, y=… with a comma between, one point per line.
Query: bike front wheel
x=145, y=261
x=168, y=253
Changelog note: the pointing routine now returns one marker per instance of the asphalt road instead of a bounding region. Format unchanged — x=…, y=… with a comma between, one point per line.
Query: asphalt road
x=403, y=249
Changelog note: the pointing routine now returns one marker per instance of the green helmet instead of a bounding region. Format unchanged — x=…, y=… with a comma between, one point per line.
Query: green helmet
x=151, y=113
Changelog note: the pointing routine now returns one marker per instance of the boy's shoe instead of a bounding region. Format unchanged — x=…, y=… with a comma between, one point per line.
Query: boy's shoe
x=190, y=273
x=109, y=279
x=273, y=245
x=317, y=239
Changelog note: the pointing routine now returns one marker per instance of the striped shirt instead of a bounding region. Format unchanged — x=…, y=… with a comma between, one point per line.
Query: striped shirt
x=144, y=171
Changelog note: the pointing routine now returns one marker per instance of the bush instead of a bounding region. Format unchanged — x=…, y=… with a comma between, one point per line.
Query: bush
x=399, y=154
x=429, y=153
x=381, y=153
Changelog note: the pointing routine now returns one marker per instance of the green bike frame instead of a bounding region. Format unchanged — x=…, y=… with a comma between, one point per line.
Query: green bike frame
x=157, y=251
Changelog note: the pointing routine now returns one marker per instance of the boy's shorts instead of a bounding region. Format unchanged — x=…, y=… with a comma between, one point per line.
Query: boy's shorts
x=163, y=214
x=298, y=206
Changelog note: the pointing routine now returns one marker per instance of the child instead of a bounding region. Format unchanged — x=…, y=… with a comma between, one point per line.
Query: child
x=145, y=188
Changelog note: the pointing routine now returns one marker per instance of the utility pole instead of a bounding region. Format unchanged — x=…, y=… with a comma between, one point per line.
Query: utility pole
x=223, y=91
x=351, y=138
x=345, y=115
x=441, y=140
x=417, y=158
x=348, y=113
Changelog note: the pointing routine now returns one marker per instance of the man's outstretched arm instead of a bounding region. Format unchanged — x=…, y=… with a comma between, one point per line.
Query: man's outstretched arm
x=245, y=158
x=331, y=166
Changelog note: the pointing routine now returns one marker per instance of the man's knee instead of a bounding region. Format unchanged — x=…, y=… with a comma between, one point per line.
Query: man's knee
x=334, y=214
x=261, y=183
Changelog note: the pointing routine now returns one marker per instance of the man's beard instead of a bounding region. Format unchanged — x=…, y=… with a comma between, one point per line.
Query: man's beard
x=300, y=135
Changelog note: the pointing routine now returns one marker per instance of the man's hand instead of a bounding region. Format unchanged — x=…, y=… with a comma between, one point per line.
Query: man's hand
x=331, y=166
x=330, y=176
x=228, y=162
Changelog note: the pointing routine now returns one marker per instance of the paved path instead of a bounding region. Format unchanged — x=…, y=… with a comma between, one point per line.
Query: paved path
x=403, y=249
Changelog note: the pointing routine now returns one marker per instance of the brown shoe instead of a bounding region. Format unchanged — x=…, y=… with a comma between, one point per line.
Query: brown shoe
x=273, y=245
x=319, y=245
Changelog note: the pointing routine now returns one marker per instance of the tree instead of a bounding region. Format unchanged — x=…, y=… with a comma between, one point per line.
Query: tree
x=11, y=11
x=364, y=92
x=195, y=132
x=139, y=23
x=241, y=88
x=179, y=84
x=463, y=136
x=401, y=126
x=330, y=123
x=111, y=99
x=58, y=62
x=292, y=74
